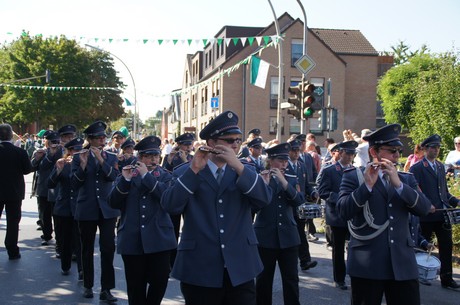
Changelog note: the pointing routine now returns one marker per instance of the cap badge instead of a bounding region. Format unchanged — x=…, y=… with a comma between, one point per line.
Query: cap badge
x=230, y=115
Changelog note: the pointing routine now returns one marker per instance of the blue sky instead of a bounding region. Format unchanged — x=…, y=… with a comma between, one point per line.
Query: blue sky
x=158, y=69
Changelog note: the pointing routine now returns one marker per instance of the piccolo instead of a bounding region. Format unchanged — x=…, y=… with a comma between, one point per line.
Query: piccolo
x=81, y=151
x=212, y=151
x=270, y=171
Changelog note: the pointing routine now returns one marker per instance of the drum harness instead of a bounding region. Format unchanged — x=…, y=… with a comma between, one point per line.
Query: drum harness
x=368, y=217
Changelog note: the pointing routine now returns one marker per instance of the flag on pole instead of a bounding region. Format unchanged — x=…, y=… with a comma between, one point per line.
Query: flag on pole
x=259, y=72
x=128, y=103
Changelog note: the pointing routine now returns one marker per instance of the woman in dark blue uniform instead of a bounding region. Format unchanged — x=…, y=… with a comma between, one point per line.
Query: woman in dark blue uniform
x=145, y=233
x=276, y=229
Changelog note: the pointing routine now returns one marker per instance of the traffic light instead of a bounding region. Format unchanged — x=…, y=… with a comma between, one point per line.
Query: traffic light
x=308, y=99
x=295, y=100
x=322, y=119
x=334, y=119
x=308, y=112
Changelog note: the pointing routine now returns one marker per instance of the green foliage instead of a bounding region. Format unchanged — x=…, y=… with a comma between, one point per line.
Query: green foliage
x=423, y=95
x=70, y=66
x=454, y=188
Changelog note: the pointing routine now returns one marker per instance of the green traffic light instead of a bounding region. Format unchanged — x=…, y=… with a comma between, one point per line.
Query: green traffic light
x=308, y=112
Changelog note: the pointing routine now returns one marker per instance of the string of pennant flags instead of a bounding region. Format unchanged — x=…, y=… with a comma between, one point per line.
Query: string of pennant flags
x=260, y=40
x=215, y=77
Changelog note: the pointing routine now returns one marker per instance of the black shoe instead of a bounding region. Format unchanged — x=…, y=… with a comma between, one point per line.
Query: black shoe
x=65, y=272
x=449, y=284
x=88, y=293
x=74, y=257
x=80, y=276
x=58, y=255
x=308, y=265
x=341, y=285
x=14, y=256
x=107, y=296
x=45, y=242
x=39, y=228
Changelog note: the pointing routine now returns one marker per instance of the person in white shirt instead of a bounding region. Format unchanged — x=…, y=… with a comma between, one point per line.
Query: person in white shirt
x=362, y=151
x=453, y=158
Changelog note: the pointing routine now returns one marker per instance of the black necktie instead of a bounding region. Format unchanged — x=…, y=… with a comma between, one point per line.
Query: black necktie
x=220, y=174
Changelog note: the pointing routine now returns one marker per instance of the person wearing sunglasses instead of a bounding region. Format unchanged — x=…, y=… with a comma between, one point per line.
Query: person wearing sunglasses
x=118, y=138
x=217, y=257
x=377, y=203
x=453, y=158
x=431, y=177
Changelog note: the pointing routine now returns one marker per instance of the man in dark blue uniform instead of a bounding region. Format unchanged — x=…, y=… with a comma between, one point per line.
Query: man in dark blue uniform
x=298, y=168
x=431, y=177
x=67, y=133
x=276, y=230
x=43, y=162
x=217, y=258
x=64, y=207
x=126, y=156
x=14, y=163
x=145, y=234
x=93, y=172
x=328, y=182
x=255, y=154
x=377, y=204
x=244, y=149
x=180, y=153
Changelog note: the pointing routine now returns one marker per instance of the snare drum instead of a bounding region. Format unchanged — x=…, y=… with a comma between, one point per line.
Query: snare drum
x=428, y=266
x=452, y=216
x=309, y=211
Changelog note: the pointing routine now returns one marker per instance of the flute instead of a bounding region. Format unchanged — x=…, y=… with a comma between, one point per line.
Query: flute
x=212, y=151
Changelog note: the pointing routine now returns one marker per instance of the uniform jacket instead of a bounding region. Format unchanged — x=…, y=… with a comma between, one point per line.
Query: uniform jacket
x=275, y=225
x=14, y=164
x=44, y=166
x=434, y=186
x=144, y=226
x=250, y=160
x=93, y=186
x=312, y=173
x=65, y=194
x=217, y=231
x=328, y=187
x=176, y=161
x=389, y=255
x=301, y=171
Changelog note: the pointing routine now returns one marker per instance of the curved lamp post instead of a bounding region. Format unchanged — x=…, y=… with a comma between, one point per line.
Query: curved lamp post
x=134, y=86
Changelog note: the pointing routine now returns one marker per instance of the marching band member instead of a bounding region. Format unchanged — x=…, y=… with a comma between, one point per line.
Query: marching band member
x=181, y=152
x=431, y=177
x=328, y=181
x=93, y=172
x=64, y=208
x=145, y=232
x=377, y=204
x=276, y=229
x=217, y=258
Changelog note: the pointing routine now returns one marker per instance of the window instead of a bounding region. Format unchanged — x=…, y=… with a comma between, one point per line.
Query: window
x=274, y=92
x=296, y=50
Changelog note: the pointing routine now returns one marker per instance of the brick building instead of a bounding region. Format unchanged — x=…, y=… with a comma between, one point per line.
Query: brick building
x=343, y=56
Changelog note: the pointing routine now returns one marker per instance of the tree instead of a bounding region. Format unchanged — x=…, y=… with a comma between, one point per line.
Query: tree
x=423, y=95
x=70, y=66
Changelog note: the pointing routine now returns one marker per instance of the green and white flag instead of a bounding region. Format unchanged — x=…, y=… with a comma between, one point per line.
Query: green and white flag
x=128, y=103
x=259, y=72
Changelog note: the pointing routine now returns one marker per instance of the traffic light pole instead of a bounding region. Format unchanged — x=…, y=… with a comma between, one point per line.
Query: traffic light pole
x=305, y=29
x=280, y=75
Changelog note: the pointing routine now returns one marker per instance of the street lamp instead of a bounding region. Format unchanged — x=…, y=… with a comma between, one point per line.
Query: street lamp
x=280, y=75
x=134, y=86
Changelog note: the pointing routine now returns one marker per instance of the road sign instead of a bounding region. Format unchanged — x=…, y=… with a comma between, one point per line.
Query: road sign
x=305, y=64
x=214, y=102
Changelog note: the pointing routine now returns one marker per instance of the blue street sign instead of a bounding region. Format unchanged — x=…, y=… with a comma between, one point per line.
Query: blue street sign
x=214, y=102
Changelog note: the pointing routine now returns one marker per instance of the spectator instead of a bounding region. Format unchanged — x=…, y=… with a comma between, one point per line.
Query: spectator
x=414, y=158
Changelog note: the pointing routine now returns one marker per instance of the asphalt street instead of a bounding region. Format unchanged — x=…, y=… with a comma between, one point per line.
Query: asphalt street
x=36, y=278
